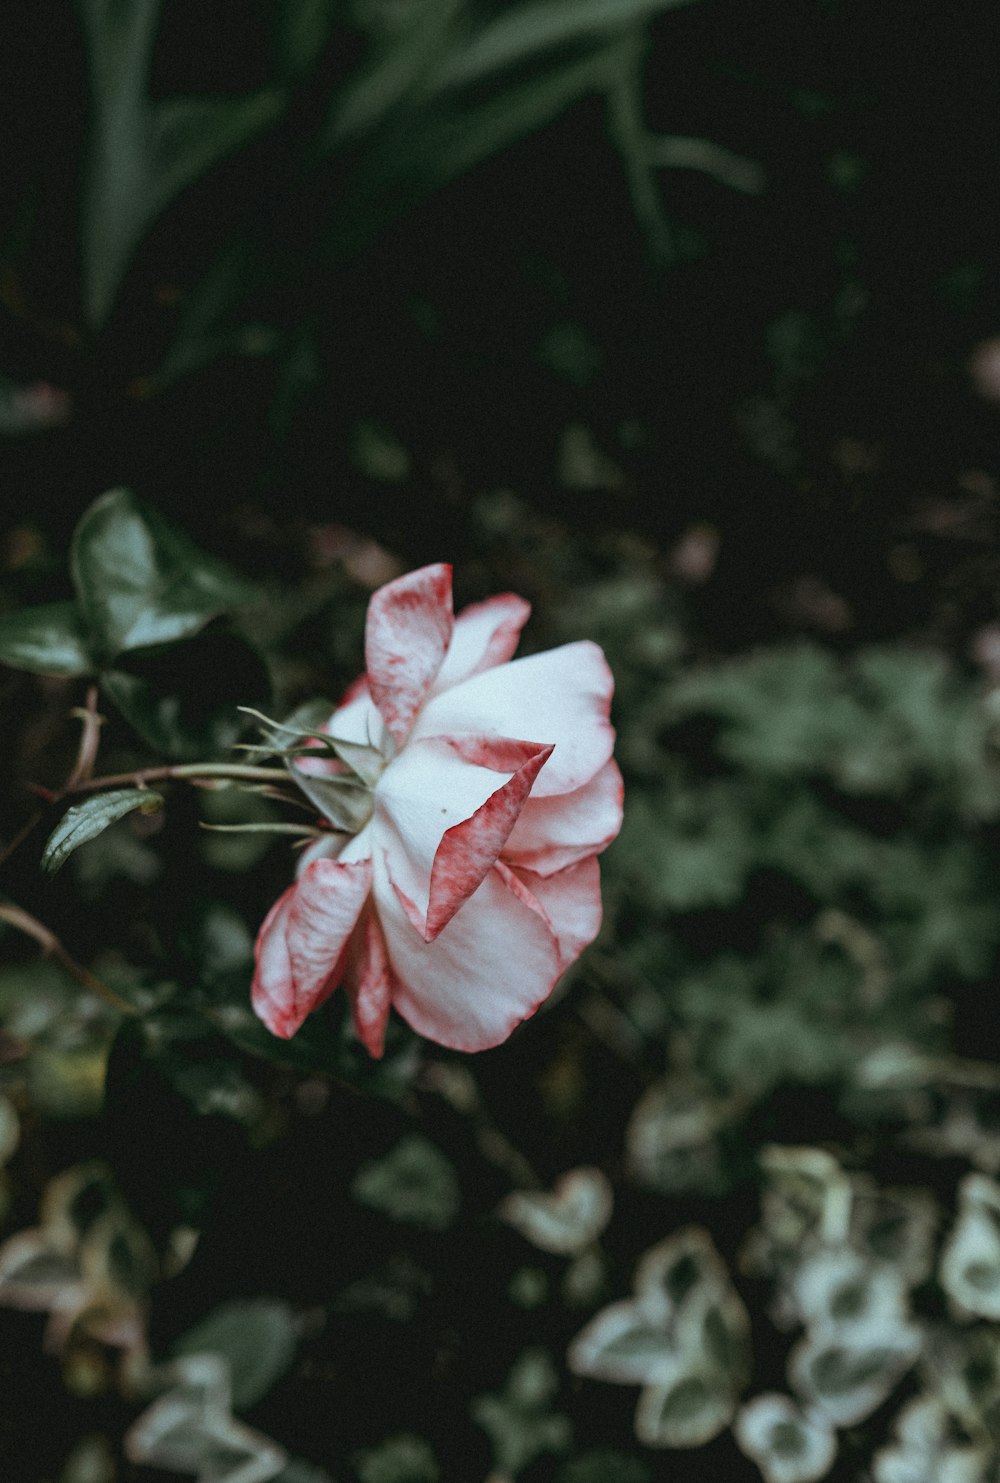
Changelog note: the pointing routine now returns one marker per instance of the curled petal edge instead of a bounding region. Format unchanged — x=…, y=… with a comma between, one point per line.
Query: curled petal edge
x=469, y=849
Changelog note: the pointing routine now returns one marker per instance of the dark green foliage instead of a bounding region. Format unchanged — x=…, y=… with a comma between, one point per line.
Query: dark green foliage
x=813, y=835
x=325, y=281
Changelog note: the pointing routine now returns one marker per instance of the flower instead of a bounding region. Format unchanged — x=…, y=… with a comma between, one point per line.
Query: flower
x=471, y=883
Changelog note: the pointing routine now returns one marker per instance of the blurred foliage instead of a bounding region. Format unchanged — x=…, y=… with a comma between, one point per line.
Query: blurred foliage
x=775, y=1063
x=679, y=317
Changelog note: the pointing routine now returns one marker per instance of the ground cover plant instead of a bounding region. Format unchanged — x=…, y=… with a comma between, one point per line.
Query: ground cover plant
x=682, y=337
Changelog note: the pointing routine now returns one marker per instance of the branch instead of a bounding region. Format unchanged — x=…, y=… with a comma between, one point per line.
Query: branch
x=51, y=947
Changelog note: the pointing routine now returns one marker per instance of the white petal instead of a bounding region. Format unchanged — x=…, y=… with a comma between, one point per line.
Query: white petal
x=561, y=697
x=444, y=809
x=485, y=634
x=554, y=832
x=358, y=720
x=491, y=967
x=571, y=900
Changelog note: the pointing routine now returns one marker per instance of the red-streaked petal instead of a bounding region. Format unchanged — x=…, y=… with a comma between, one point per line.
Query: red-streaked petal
x=571, y=901
x=271, y=990
x=328, y=900
x=562, y=695
x=552, y=833
x=444, y=815
x=467, y=850
x=486, y=634
x=490, y=968
x=409, y=628
x=369, y=982
x=302, y=945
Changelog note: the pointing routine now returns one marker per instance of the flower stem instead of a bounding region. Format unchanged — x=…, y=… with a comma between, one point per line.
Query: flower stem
x=236, y=771
x=17, y=917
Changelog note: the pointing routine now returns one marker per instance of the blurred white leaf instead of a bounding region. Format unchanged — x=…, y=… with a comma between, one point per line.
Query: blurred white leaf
x=787, y=1444
x=566, y=1221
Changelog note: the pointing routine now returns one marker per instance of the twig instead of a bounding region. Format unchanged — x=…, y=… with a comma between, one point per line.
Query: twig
x=89, y=740
x=21, y=835
x=81, y=782
x=236, y=771
x=17, y=917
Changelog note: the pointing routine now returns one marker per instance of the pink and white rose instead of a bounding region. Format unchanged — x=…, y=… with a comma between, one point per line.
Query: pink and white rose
x=472, y=882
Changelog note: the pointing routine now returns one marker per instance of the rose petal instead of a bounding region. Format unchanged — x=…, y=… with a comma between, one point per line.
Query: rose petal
x=369, y=981
x=490, y=968
x=272, y=978
x=563, y=694
x=409, y=628
x=302, y=944
x=358, y=720
x=571, y=901
x=333, y=846
x=552, y=833
x=444, y=814
x=485, y=634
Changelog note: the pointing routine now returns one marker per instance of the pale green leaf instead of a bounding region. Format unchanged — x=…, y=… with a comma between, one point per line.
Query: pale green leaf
x=519, y=1421
x=970, y=1262
x=401, y=1459
x=84, y=821
x=190, y=1428
x=48, y=640
x=621, y=1345
x=566, y=1221
x=142, y=154
x=686, y=1409
x=926, y=1450
x=193, y=134
x=143, y=582
x=413, y=1183
x=257, y=1338
x=787, y=1446
x=521, y=32
x=848, y=1381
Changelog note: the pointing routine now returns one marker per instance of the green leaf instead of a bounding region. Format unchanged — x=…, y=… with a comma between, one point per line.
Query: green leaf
x=48, y=640
x=142, y=154
x=927, y=1451
x=519, y=1421
x=301, y=30
x=623, y=1345
x=345, y=802
x=401, y=1459
x=184, y=701
x=848, y=1293
x=520, y=33
x=258, y=1338
x=686, y=1409
x=848, y=1381
x=414, y=1183
x=605, y=1465
x=786, y=1445
x=970, y=1261
x=88, y=819
x=141, y=581
x=569, y=1219
x=190, y=1428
